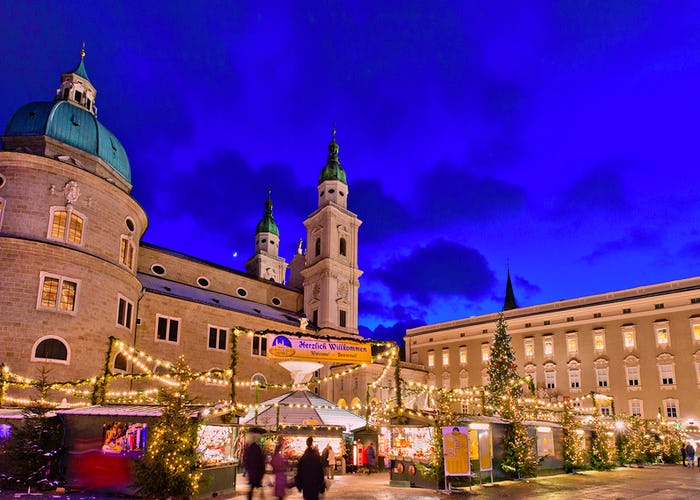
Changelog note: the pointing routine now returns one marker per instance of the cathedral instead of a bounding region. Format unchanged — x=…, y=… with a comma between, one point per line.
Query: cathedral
x=77, y=273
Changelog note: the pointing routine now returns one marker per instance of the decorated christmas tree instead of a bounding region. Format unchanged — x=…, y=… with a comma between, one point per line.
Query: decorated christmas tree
x=603, y=448
x=169, y=465
x=637, y=445
x=519, y=457
x=572, y=441
x=503, y=386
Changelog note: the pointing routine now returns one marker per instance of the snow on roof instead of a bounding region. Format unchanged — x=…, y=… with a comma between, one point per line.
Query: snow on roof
x=18, y=413
x=215, y=299
x=312, y=408
x=115, y=410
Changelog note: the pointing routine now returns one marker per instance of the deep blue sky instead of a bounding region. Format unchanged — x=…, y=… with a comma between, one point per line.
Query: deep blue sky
x=561, y=137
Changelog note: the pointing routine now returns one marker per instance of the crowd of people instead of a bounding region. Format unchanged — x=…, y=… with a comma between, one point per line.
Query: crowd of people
x=688, y=453
x=311, y=473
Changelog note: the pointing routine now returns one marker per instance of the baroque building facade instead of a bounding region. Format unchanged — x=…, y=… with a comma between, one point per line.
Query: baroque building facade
x=76, y=271
x=641, y=346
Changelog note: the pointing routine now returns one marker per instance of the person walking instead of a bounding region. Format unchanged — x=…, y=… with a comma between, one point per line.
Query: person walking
x=254, y=461
x=371, y=455
x=309, y=479
x=697, y=452
x=683, y=453
x=279, y=465
x=331, y=461
x=690, y=453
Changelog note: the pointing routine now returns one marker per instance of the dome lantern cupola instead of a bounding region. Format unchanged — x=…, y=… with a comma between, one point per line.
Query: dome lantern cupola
x=333, y=183
x=76, y=87
x=267, y=224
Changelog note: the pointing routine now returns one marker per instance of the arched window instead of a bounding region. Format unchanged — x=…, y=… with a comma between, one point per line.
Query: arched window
x=446, y=380
x=258, y=380
x=318, y=247
x=343, y=247
x=51, y=349
x=355, y=403
x=342, y=403
x=463, y=379
x=120, y=362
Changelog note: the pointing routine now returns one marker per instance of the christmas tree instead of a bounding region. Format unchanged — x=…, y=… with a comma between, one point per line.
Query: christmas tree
x=169, y=465
x=572, y=441
x=637, y=445
x=519, y=457
x=603, y=448
x=503, y=384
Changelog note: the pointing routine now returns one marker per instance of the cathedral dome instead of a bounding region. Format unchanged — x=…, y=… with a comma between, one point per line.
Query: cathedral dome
x=333, y=171
x=72, y=125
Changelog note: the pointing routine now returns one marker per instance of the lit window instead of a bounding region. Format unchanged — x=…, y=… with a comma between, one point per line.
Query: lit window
x=445, y=357
x=550, y=379
x=445, y=380
x=572, y=344
x=259, y=345
x=663, y=338
x=258, y=380
x=632, y=376
x=636, y=407
x=217, y=338
x=599, y=340
x=666, y=374
x=575, y=379
x=629, y=337
x=694, y=327
x=463, y=379
x=602, y=376
x=66, y=224
x=57, y=293
x=548, y=343
x=431, y=358
x=671, y=408
x=529, y=347
x=51, y=349
x=126, y=251
x=125, y=309
x=485, y=353
x=463, y=355
x=545, y=441
x=167, y=329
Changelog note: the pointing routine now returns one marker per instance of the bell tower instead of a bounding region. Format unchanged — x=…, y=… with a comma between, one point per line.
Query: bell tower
x=266, y=262
x=331, y=276
x=76, y=87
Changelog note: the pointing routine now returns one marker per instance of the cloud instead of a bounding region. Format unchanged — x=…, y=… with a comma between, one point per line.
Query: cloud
x=447, y=195
x=439, y=268
x=393, y=332
x=523, y=285
x=637, y=239
x=600, y=190
x=382, y=215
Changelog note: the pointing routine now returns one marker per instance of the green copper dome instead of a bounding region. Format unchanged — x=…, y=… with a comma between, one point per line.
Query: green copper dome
x=333, y=171
x=267, y=224
x=71, y=125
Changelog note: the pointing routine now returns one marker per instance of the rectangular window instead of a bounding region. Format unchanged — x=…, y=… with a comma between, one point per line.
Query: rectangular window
x=259, y=345
x=57, y=293
x=605, y=411
x=550, y=380
x=597, y=315
x=658, y=306
x=431, y=358
x=547, y=322
x=571, y=344
x=671, y=408
x=343, y=318
x=485, y=348
x=314, y=317
x=570, y=318
x=217, y=338
x=695, y=330
x=528, y=325
x=548, y=345
x=545, y=441
x=666, y=374
x=445, y=357
x=635, y=407
x=529, y=344
x=575, y=378
x=463, y=355
x=629, y=337
x=66, y=225
x=632, y=376
x=125, y=309
x=695, y=300
x=126, y=252
x=167, y=328
x=599, y=340
x=627, y=310
x=663, y=338
x=602, y=375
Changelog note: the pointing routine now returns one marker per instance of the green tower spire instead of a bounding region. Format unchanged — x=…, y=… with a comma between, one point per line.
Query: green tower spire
x=267, y=224
x=333, y=171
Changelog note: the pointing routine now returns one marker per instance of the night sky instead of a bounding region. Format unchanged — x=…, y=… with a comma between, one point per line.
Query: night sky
x=557, y=137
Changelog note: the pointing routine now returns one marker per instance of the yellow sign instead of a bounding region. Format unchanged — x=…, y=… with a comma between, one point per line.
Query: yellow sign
x=456, y=448
x=310, y=349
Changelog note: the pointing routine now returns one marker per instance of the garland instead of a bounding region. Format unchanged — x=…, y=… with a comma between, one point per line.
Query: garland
x=100, y=387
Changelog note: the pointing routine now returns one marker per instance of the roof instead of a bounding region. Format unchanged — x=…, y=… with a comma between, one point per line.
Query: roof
x=267, y=224
x=311, y=408
x=115, y=411
x=18, y=413
x=71, y=125
x=333, y=171
x=80, y=69
x=191, y=293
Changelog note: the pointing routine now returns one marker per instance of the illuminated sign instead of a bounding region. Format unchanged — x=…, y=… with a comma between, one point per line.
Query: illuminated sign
x=310, y=349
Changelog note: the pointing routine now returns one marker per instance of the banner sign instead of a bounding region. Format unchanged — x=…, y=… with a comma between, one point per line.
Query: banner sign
x=455, y=442
x=310, y=349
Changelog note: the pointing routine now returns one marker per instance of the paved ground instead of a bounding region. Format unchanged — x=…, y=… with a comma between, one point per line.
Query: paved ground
x=658, y=482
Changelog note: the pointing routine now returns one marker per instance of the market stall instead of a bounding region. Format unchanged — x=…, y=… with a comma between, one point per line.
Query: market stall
x=103, y=441
x=408, y=448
